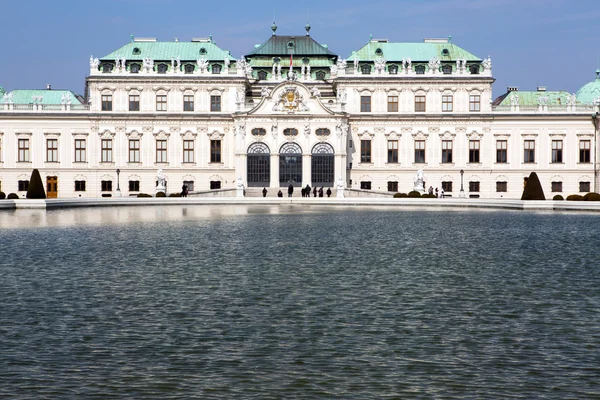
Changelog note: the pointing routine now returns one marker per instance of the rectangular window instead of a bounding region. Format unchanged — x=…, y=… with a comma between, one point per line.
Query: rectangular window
x=23, y=150
x=215, y=151
x=106, y=186
x=420, y=103
x=134, y=102
x=501, y=151
x=392, y=103
x=365, y=151
x=473, y=151
x=365, y=103
x=446, y=151
x=106, y=150
x=584, y=151
x=161, y=102
x=501, y=187
x=419, y=151
x=392, y=151
x=365, y=185
x=584, y=187
x=215, y=103
x=557, y=186
x=447, y=186
x=23, y=186
x=134, y=150
x=161, y=151
x=447, y=103
x=80, y=186
x=529, y=151
x=190, y=185
x=392, y=186
x=52, y=150
x=474, y=103
x=107, y=102
x=188, y=102
x=473, y=186
x=134, y=186
x=557, y=147
x=188, y=151
x=80, y=150
x=215, y=185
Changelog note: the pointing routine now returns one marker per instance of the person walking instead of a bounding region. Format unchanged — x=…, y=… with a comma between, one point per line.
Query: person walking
x=321, y=192
x=264, y=192
x=315, y=191
x=328, y=192
x=307, y=190
x=184, y=190
x=442, y=193
x=437, y=194
x=290, y=190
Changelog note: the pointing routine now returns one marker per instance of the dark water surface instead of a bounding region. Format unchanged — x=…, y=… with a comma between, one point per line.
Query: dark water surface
x=281, y=303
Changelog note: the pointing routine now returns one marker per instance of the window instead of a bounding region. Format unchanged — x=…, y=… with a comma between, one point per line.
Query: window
x=80, y=150
x=215, y=185
x=501, y=187
x=392, y=103
x=320, y=75
x=473, y=151
x=190, y=185
x=106, y=150
x=501, y=151
x=134, y=186
x=134, y=68
x=474, y=69
x=365, y=151
x=392, y=186
x=106, y=186
x=557, y=186
x=290, y=132
x=447, y=186
x=107, y=102
x=215, y=151
x=188, y=151
x=188, y=102
x=80, y=186
x=446, y=69
x=474, y=102
x=447, y=103
x=365, y=103
x=189, y=68
x=557, y=147
x=322, y=132
x=162, y=68
x=161, y=102
x=420, y=103
x=23, y=150
x=392, y=151
x=23, y=186
x=134, y=150
x=420, y=69
x=215, y=103
x=134, y=102
x=529, y=151
x=584, y=187
x=446, y=151
x=419, y=151
x=365, y=185
x=161, y=151
x=262, y=75
x=393, y=69
x=52, y=150
x=259, y=132
x=584, y=151
x=106, y=68
x=473, y=186
x=216, y=68
x=365, y=69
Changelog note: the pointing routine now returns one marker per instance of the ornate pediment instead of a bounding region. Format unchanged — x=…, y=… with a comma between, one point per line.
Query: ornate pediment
x=290, y=100
x=366, y=135
x=216, y=135
x=188, y=135
x=474, y=135
x=161, y=135
x=420, y=135
x=447, y=135
x=106, y=134
x=393, y=135
x=134, y=135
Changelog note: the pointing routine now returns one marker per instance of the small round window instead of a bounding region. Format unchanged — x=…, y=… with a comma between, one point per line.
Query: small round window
x=445, y=52
x=290, y=44
x=136, y=50
x=203, y=51
x=379, y=51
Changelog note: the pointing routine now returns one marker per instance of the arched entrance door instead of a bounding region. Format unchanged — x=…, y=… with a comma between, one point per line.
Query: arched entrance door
x=259, y=165
x=290, y=165
x=322, y=165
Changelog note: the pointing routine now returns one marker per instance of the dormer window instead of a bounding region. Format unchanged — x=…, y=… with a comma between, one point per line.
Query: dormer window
x=474, y=69
x=447, y=69
x=137, y=51
x=445, y=52
x=276, y=60
x=134, y=68
x=162, y=68
x=379, y=51
x=189, y=68
x=290, y=44
x=320, y=75
x=393, y=69
x=420, y=70
x=107, y=68
x=305, y=60
x=262, y=75
x=202, y=50
x=216, y=68
x=365, y=69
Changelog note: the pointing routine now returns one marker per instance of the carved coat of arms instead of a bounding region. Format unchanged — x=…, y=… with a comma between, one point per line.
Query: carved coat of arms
x=290, y=100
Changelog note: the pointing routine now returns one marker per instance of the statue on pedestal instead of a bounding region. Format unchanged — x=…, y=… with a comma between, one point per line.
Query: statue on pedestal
x=419, y=182
x=161, y=181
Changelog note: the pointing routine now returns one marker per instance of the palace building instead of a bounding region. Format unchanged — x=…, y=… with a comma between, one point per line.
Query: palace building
x=292, y=111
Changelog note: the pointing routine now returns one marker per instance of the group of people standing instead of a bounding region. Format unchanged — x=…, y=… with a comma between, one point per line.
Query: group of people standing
x=305, y=191
x=438, y=193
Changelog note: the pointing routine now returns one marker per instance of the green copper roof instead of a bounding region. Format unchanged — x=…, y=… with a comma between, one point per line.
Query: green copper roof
x=186, y=51
x=300, y=46
x=555, y=98
x=418, y=52
x=296, y=62
x=590, y=91
x=48, y=96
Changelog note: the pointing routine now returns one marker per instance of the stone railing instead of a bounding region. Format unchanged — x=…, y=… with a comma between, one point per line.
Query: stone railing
x=49, y=108
x=545, y=109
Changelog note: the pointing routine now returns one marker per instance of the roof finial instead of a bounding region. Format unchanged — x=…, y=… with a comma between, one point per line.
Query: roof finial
x=370, y=37
x=274, y=28
x=210, y=37
x=132, y=36
x=307, y=26
x=449, y=38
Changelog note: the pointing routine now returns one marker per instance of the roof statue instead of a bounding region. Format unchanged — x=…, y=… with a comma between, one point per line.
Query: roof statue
x=315, y=91
x=148, y=65
x=514, y=100
x=265, y=92
x=487, y=64
x=434, y=65
x=94, y=62
x=407, y=64
x=202, y=65
x=380, y=65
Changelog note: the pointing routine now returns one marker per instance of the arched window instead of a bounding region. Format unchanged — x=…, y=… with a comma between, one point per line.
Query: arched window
x=305, y=60
x=322, y=165
x=322, y=132
x=162, y=68
x=445, y=52
x=474, y=69
x=258, y=165
x=290, y=165
x=393, y=69
x=447, y=69
x=365, y=69
x=134, y=68
x=216, y=68
x=107, y=68
x=189, y=68
x=202, y=50
x=420, y=69
x=262, y=75
x=259, y=132
x=290, y=132
x=137, y=51
x=379, y=51
x=320, y=75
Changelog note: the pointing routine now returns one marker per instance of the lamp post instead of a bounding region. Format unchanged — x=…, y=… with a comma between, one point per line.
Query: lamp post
x=118, y=187
x=462, y=189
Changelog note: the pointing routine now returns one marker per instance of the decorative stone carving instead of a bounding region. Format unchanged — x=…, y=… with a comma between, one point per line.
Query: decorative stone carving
x=407, y=64
x=65, y=99
x=380, y=65
x=315, y=91
x=148, y=65
x=265, y=92
x=514, y=100
x=94, y=63
x=419, y=182
x=542, y=100
x=307, y=130
x=341, y=129
x=202, y=65
x=341, y=64
x=487, y=64
x=341, y=96
x=290, y=100
x=240, y=96
x=434, y=65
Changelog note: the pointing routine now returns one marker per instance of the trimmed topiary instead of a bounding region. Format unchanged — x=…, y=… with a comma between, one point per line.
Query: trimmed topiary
x=558, y=197
x=533, y=189
x=36, y=187
x=161, y=194
x=574, y=197
x=175, y=195
x=414, y=193
x=2, y=195
x=396, y=195
x=143, y=195
x=13, y=196
x=591, y=197
x=429, y=196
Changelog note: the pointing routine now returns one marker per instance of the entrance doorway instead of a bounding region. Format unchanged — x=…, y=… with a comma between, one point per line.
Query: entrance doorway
x=322, y=165
x=52, y=187
x=259, y=165
x=290, y=165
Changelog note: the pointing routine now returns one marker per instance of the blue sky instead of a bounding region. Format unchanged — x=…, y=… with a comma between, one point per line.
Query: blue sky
x=553, y=43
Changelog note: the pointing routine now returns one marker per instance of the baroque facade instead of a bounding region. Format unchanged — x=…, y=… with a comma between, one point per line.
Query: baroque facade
x=292, y=111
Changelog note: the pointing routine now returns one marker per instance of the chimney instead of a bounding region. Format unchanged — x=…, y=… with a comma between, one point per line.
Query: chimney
x=512, y=89
x=541, y=88
x=48, y=87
